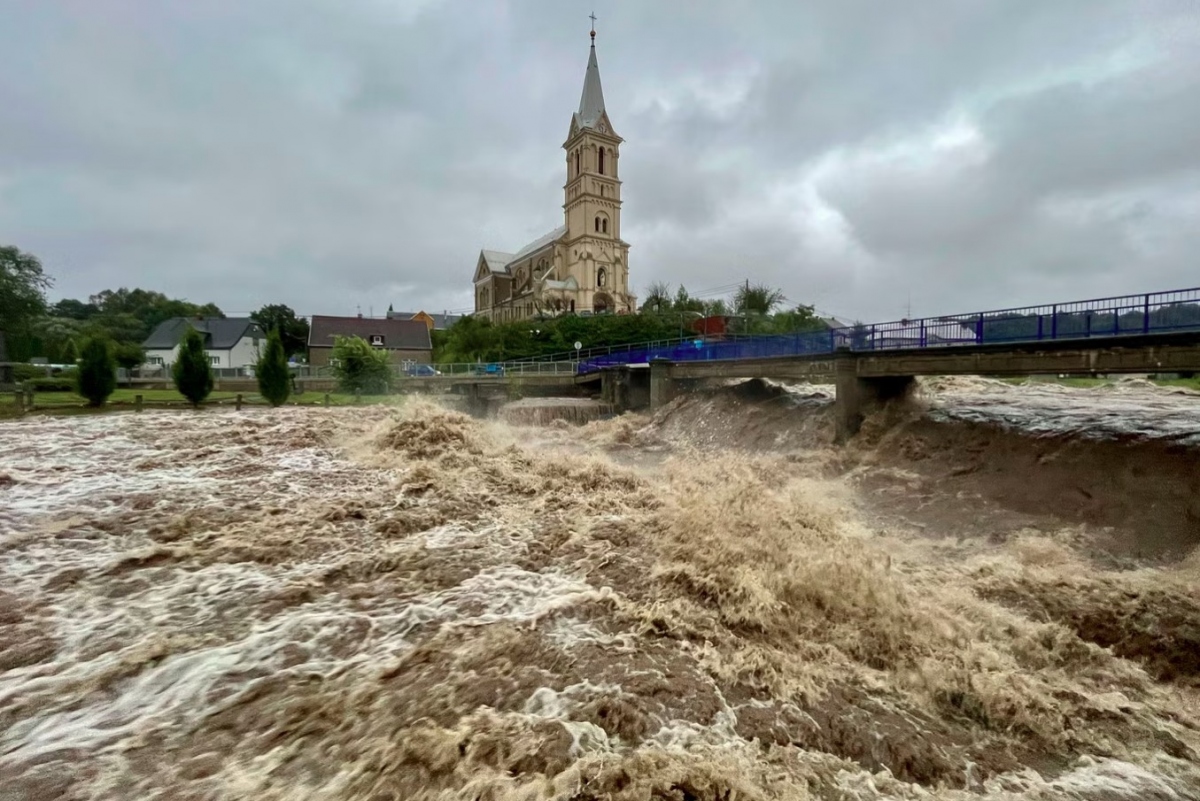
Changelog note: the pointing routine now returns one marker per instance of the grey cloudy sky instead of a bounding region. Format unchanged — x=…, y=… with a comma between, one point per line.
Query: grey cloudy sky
x=967, y=154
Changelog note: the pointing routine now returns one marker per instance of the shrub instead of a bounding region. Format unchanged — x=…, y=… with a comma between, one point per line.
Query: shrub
x=49, y=384
x=24, y=372
x=274, y=378
x=359, y=367
x=191, y=371
x=97, y=374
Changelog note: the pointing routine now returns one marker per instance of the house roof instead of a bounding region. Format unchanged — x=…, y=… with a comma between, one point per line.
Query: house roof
x=591, y=102
x=399, y=334
x=220, y=333
x=440, y=321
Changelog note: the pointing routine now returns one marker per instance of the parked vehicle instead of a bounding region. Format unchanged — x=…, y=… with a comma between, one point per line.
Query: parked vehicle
x=487, y=369
x=421, y=370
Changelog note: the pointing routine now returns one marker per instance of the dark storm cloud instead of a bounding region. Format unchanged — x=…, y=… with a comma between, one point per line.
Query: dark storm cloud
x=333, y=155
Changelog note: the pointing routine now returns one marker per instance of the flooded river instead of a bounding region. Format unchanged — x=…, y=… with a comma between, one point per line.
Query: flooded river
x=380, y=604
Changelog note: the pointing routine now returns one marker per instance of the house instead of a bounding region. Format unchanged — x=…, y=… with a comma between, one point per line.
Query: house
x=230, y=342
x=436, y=322
x=582, y=266
x=404, y=340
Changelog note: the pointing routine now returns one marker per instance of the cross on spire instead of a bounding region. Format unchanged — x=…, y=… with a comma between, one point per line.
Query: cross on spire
x=592, y=17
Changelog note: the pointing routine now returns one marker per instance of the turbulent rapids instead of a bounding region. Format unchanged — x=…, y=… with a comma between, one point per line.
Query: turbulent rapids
x=993, y=594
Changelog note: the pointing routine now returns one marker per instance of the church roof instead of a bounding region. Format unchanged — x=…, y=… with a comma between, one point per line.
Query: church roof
x=496, y=260
x=591, y=102
x=539, y=243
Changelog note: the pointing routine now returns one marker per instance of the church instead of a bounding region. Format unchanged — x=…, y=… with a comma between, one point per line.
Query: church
x=581, y=267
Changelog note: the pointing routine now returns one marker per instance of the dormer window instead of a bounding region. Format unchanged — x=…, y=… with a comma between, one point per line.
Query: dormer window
x=377, y=340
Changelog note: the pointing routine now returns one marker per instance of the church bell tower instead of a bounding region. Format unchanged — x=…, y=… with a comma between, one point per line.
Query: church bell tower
x=596, y=255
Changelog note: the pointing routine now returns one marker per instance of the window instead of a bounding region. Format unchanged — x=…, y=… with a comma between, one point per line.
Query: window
x=215, y=361
x=601, y=170
x=155, y=360
x=597, y=225
x=577, y=162
x=377, y=340
x=604, y=226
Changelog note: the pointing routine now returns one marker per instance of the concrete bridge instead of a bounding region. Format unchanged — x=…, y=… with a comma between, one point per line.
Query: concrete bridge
x=863, y=378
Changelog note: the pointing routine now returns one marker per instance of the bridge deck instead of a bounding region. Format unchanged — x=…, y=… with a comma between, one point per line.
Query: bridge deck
x=1124, y=354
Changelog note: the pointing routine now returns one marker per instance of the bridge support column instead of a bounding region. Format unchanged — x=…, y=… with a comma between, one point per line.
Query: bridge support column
x=858, y=396
x=662, y=386
x=477, y=402
x=848, y=402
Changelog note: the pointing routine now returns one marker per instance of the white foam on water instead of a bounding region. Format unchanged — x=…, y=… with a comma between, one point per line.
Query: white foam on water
x=1135, y=408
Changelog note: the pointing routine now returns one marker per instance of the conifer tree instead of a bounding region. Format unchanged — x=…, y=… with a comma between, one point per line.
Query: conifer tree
x=274, y=379
x=97, y=376
x=192, y=372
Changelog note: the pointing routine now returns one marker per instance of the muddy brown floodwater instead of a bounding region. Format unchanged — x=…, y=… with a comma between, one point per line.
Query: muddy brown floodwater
x=708, y=604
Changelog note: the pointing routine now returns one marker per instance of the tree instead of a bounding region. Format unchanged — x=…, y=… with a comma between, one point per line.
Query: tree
x=802, y=318
x=131, y=314
x=23, y=287
x=359, y=367
x=658, y=297
x=293, y=330
x=73, y=309
x=757, y=299
x=192, y=372
x=685, y=302
x=70, y=353
x=97, y=371
x=471, y=339
x=274, y=379
x=129, y=355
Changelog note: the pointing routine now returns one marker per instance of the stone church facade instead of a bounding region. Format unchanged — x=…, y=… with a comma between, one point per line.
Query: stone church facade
x=582, y=266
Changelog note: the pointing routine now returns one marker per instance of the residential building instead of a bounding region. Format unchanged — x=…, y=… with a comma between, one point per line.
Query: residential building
x=404, y=340
x=229, y=342
x=583, y=265
x=436, y=322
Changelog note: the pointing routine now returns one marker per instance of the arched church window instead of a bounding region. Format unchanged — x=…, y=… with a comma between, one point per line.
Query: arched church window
x=601, y=277
x=597, y=225
x=604, y=226
x=577, y=162
x=601, y=161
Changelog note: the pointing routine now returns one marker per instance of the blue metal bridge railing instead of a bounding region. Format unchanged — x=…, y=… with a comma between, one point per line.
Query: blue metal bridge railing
x=1152, y=313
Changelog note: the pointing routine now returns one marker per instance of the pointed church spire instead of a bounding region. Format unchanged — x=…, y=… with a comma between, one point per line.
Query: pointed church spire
x=591, y=102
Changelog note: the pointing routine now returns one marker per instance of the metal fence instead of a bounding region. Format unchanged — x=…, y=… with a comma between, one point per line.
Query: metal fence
x=1153, y=313
x=406, y=371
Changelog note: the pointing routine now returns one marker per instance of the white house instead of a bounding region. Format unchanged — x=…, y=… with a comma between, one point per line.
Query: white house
x=230, y=342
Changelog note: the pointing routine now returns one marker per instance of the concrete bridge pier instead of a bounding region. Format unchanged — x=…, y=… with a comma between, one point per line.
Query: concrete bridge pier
x=662, y=386
x=477, y=401
x=857, y=396
x=624, y=388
